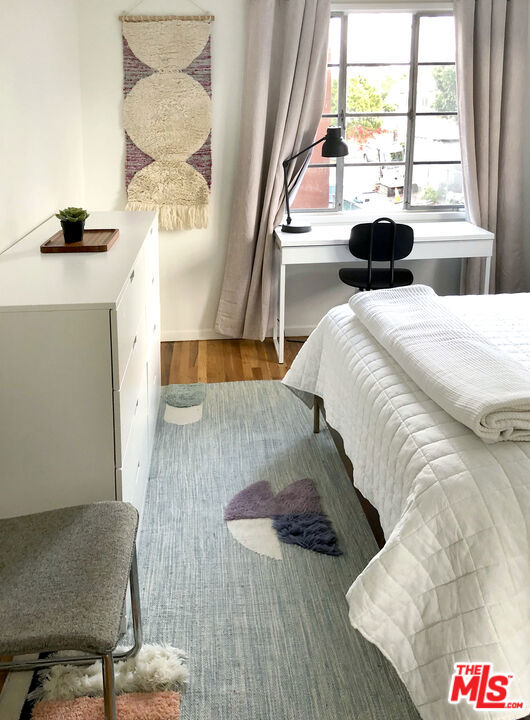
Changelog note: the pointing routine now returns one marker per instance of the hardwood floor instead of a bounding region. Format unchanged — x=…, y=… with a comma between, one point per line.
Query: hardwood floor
x=212, y=361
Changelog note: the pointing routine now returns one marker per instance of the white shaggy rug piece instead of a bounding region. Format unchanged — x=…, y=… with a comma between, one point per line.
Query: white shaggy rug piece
x=258, y=535
x=155, y=668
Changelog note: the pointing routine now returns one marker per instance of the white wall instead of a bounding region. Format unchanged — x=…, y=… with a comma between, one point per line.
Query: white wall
x=40, y=117
x=313, y=290
x=191, y=262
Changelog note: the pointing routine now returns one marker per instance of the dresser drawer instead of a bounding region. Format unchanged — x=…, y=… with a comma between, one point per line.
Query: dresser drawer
x=128, y=314
x=152, y=284
x=151, y=257
x=132, y=475
x=127, y=398
x=152, y=315
x=153, y=388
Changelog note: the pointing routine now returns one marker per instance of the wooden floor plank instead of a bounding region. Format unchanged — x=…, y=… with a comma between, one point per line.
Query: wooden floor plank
x=166, y=351
x=214, y=361
x=223, y=361
x=247, y=358
x=202, y=368
x=175, y=366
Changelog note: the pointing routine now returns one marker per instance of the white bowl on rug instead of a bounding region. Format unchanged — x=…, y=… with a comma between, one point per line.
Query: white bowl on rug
x=182, y=415
x=184, y=403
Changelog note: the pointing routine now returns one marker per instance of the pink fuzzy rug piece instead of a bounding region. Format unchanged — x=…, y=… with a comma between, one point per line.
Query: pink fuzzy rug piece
x=131, y=706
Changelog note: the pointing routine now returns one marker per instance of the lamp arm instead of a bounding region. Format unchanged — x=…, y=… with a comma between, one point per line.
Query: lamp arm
x=286, y=164
x=293, y=157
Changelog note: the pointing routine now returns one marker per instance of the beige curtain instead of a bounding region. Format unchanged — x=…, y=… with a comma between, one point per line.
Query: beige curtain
x=492, y=64
x=285, y=70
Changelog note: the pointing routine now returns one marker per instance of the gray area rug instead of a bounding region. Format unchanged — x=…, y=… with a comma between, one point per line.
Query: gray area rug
x=267, y=639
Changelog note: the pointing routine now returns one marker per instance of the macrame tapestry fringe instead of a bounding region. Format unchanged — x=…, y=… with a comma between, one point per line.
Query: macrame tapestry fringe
x=176, y=217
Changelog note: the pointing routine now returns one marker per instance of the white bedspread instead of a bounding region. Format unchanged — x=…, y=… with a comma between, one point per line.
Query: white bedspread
x=453, y=580
x=477, y=383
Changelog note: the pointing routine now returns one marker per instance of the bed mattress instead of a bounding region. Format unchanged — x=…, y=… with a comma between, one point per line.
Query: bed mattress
x=452, y=583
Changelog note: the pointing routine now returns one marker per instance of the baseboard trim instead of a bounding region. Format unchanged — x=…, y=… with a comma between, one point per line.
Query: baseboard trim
x=211, y=334
x=298, y=330
x=180, y=335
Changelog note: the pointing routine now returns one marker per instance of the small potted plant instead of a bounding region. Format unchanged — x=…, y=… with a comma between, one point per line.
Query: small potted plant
x=73, y=223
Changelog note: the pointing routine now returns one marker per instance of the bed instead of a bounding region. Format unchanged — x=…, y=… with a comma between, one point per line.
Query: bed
x=451, y=582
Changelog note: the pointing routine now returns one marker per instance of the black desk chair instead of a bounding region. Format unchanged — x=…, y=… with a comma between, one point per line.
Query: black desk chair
x=380, y=241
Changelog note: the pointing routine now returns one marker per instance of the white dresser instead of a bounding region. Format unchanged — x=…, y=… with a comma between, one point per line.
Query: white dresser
x=79, y=368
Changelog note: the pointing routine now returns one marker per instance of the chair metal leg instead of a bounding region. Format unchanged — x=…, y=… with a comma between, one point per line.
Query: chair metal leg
x=135, y=606
x=316, y=415
x=109, y=694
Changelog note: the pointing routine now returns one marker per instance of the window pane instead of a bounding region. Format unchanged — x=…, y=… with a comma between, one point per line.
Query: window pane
x=437, y=39
x=437, y=138
x=378, y=189
x=437, y=185
x=379, y=37
x=376, y=139
x=334, y=40
x=377, y=89
x=436, y=88
x=317, y=190
x=332, y=90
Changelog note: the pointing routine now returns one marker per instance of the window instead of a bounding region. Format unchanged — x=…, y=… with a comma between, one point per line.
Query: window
x=391, y=85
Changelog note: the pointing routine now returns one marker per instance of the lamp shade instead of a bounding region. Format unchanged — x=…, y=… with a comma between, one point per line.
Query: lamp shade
x=334, y=144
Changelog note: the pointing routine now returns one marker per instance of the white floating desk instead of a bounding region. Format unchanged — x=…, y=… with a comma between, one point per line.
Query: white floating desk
x=329, y=244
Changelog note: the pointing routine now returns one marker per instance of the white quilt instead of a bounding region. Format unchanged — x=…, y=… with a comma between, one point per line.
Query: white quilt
x=478, y=384
x=453, y=580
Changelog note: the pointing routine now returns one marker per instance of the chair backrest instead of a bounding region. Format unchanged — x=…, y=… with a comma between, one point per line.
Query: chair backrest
x=383, y=240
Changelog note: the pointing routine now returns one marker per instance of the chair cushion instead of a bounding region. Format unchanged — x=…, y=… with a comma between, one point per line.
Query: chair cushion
x=63, y=578
x=358, y=277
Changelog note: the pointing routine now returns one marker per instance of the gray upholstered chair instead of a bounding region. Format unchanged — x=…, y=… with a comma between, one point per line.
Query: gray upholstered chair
x=63, y=581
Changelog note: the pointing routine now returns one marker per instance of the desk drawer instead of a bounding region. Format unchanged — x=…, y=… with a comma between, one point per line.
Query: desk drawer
x=128, y=314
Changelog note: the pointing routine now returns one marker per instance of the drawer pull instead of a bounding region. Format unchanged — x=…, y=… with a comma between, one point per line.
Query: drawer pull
x=134, y=341
x=136, y=406
x=131, y=276
x=153, y=280
x=138, y=463
x=154, y=327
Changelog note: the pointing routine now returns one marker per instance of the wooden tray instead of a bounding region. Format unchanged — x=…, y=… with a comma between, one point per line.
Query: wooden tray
x=93, y=241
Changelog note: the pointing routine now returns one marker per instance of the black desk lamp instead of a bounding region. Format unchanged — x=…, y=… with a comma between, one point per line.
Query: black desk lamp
x=334, y=146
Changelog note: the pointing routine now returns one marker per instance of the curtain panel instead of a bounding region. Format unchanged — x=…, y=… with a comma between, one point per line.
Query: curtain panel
x=285, y=72
x=491, y=65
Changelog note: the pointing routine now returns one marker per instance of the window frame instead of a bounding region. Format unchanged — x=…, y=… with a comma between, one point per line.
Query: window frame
x=411, y=115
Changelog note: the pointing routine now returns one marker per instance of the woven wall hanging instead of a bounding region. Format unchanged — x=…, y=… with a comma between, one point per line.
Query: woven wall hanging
x=167, y=117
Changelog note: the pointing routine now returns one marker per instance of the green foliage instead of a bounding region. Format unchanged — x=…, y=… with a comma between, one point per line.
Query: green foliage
x=72, y=214
x=430, y=195
x=445, y=79
x=361, y=96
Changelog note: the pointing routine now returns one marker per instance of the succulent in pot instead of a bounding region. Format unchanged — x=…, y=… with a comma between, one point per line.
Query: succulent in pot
x=73, y=223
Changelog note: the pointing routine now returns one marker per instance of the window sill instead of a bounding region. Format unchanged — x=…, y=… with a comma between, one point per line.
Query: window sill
x=314, y=217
